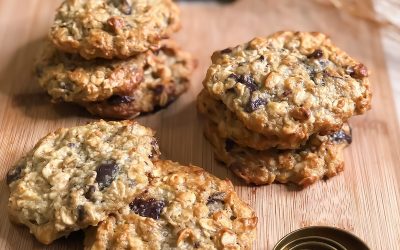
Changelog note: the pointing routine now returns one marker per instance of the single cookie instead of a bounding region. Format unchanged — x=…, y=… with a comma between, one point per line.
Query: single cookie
x=321, y=157
x=229, y=126
x=184, y=207
x=166, y=77
x=290, y=85
x=118, y=88
x=113, y=28
x=76, y=177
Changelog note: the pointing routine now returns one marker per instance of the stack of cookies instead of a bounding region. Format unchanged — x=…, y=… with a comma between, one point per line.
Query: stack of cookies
x=113, y=57
x=107, y=178
x=277, y=107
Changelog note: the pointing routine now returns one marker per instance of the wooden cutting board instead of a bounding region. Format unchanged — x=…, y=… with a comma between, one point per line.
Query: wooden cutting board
x=364, y=199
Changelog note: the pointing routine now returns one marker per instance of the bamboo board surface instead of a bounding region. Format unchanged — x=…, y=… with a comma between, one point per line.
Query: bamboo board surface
x=364, y=199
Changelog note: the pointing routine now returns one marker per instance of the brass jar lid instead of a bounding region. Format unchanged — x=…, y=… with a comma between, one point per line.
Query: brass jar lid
x=320, y=238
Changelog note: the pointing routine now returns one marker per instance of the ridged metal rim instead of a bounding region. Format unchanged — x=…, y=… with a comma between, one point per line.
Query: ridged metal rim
x=324, y=237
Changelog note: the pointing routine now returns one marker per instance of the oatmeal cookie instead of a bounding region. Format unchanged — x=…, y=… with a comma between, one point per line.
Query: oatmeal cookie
x=118, y=88
x=321, y=157
x=184, y=207
x=166, y=77
x=289, y=84
x=229, y=126
x=75, y=177
x=113, y=28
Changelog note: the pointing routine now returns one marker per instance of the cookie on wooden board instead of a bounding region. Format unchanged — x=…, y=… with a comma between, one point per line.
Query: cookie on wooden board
x=113, y=28
x=184, y=207
x=75, y=177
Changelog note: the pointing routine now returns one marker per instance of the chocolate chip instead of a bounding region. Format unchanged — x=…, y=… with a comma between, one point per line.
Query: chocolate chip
x=255, y=104
x=227, y=50
x=358, y=71
x=106, y=174
x=125, y=7
x=117, y=99
x=13, y=175
x=247, y=80
x=81, y=212
x=342, y=136
x=158, y=89
x=229, y=144
x=89, y=193
x=150, y=208
x=317, y=54
x=216, y=197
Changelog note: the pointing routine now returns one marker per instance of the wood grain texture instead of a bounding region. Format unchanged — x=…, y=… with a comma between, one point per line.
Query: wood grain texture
x=364, y=199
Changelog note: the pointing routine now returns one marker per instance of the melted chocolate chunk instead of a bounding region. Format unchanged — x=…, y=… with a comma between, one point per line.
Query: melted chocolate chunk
x=150, y=208
x=13, y=175
x=106, y=174
x=253, y=105
x=229, y=144
x=81, y=212
x=247, y=80
x=89, y=193
x=342, y=136
x=225, y=51
x=317, y=54
x=158, y=89
x=216, y=198
x=117, y=99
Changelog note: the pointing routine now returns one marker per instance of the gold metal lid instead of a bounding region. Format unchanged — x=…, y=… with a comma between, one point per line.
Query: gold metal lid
x=320, y=238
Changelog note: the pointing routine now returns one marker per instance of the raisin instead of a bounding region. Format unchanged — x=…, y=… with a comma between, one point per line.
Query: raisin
x=253, y=105
x=158, y=89
x=106, y=174
x=342, y=136
x=247, y=80
x=317, y=54
x=125, y=7
x=229, y=144
x=117, y=99
x=216, y=197
x=116, y=23
x=81, y=212
x=300, y=114
x=13, y=175
x=286, y=93
x=89, y=193
x=150, y=208
x=225, y=51
x=358, y=71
